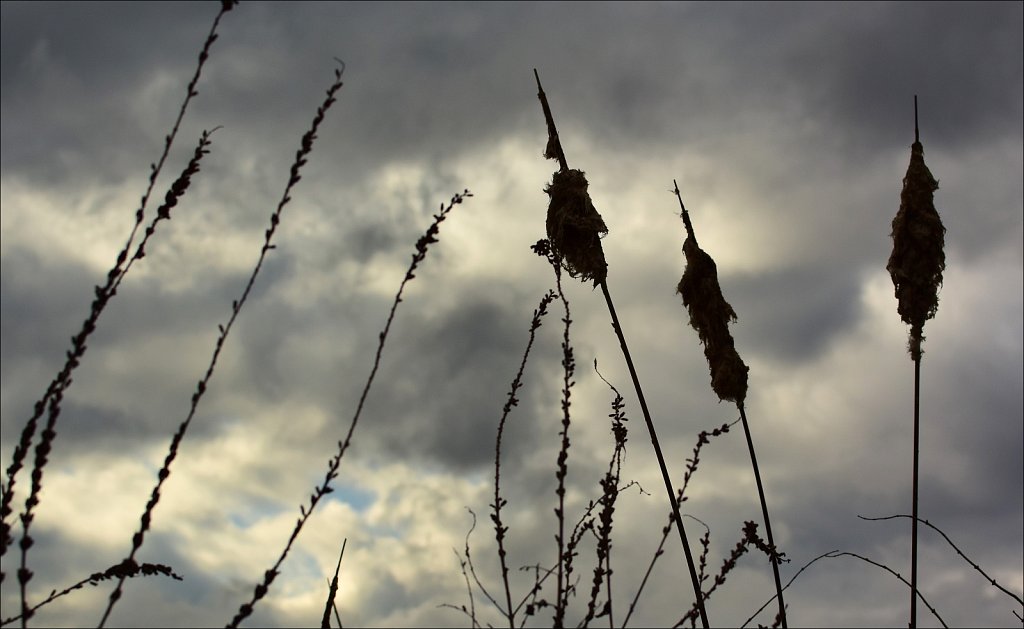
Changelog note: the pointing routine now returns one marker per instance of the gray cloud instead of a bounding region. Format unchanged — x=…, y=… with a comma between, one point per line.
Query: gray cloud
x=788, y=127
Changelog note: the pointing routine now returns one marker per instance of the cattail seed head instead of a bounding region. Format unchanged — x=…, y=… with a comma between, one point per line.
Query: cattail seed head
x=575, y=228
x=917, y=259
x=710, y=315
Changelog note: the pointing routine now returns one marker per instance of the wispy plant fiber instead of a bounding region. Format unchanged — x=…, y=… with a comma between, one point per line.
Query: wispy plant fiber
x=575, y=227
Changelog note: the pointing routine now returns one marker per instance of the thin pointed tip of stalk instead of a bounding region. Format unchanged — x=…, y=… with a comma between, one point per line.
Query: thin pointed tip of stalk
x=683, y=213
x=917, y=133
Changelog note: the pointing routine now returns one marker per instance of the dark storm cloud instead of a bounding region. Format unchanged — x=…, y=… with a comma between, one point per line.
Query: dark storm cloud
x=792, y=314
x=40, y=295
x=987, y=418
x=962, y=59
x=460, y=75
x=45, y=302
x=85, y=78
x=120, y=52
x=448, y=380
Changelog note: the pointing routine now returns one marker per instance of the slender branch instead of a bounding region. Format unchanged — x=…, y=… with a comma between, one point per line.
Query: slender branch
x=225, y=330
x=103, y=294
x=895, y=574
x=129, y=570
x=471, y=612
x=334, y=463
x=785, y=587
x=958, y=551
x=49, y=433
x=499, y=528
x=472, y=568
x=691, y=468
x=750, y=538
x=562, y=470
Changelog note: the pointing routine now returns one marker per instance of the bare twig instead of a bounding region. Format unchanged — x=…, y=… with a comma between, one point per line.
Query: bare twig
x=499, y=528
x=895, y=574
x=335, y=462
x=236, y=307
x=958, y=551
x=62, y=381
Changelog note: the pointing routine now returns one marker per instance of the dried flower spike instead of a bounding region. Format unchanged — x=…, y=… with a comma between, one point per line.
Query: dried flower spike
x=918, y=236
x=575, y=227
x=710, y=315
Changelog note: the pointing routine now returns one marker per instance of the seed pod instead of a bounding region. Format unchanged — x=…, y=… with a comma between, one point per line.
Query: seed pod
x=917, y=259
x=575, y=228
x=710, y=315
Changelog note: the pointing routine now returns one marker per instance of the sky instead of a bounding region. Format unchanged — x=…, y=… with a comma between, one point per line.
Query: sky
x=788, y=128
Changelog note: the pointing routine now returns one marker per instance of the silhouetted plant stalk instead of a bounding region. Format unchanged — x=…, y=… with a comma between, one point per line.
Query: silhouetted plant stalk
x=710, y=315
x=834, y=554
x=913, y=591
x=325, y=622
x=325, y=488
x=916, y=266
x=476, y=579
x=1020, y=601
x=691, y=467
x=103, y=294
x=609, y=495
x=236, y=307
x=609, y=486
x=471, y=612
x=125, y=569
x=574, y=228
x=499, y=528
x=750, y=538
x=566, y=551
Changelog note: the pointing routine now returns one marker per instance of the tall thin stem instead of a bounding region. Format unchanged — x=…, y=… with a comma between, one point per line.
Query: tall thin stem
x=554, y=151
x=913, y=526
x=661, y=458
x=774, y=556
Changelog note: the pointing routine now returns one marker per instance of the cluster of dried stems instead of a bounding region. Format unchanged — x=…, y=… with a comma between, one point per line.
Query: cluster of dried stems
x=574, y=229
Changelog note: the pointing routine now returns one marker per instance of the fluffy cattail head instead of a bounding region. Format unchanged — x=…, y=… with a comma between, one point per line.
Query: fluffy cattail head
x=710, y=315
x=575, y=228
x=917, y=259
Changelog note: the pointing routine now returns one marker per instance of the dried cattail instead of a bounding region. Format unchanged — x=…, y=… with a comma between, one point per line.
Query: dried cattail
x=917, y=259
x=710, y=315
x=574, y=232
x=575, y=228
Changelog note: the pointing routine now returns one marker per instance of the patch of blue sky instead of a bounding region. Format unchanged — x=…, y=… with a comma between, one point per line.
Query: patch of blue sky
x=305, y=566
x=255, y=511
x=358, y=499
